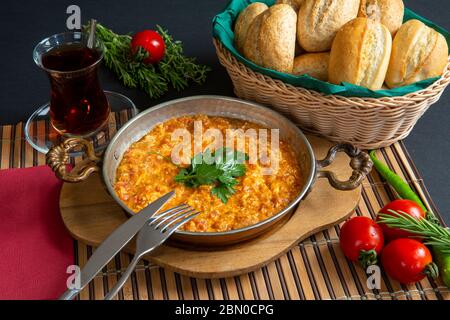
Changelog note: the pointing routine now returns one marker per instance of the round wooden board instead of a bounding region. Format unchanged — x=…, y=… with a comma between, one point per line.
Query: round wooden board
x=90, y=215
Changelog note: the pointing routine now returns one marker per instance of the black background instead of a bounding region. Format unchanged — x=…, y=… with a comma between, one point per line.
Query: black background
x=282, y=309
x=25, y=87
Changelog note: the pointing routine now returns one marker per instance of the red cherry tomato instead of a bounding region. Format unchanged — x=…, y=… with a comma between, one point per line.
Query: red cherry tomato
x=406, y=206
x=361, y=239
x=407, y=261
x=152, y=42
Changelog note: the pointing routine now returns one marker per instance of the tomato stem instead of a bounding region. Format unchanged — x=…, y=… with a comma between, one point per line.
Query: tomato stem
x=431, y=270
x=367, y=258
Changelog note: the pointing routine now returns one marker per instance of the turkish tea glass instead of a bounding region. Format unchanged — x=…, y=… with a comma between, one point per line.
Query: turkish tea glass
x=78, y=105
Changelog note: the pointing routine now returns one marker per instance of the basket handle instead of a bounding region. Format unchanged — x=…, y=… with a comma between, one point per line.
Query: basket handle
x=57, y=159
x=360, y=163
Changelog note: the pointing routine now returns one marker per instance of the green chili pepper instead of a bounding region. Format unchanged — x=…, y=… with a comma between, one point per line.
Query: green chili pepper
x=404, y=191
x=443, y=261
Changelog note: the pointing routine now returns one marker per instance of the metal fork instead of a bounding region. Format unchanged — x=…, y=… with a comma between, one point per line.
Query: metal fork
x=152, y=235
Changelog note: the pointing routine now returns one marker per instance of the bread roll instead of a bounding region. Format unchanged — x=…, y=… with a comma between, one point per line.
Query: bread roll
x=319, y=21
x=360, y=54
x=295, y=4
x=418, y=52
x=244, y=20
x=313, y=64
x=251, y=43
x=274, y=46
x=388, y=12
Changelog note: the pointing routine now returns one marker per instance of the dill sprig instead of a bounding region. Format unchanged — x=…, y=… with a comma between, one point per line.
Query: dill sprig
x=175, y=69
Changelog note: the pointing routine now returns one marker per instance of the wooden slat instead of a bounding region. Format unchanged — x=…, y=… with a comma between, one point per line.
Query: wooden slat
x=127, y=289
x=141, y=282
x=275, y=281
x=112, y=275
x=260, y=284
x=289, y=278
x=331, y=271
x=171, y=286
x=202, y=289
x=17, y=143
x=348, y=281
x=98, y=288
x=156, y=284
x=319, y=277
x=307, y=284
x=82, y=259
x=188, y=291
x=415, y=179
x=29, y=156
x=247, y=287
x=6, y=147
x=217, y=289
x=232, y=289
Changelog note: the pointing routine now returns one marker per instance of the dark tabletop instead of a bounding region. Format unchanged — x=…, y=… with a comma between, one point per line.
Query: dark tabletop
x=25, y=87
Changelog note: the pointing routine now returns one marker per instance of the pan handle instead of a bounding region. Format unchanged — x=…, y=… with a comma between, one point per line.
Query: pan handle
x=58, y=159
x=360, y=163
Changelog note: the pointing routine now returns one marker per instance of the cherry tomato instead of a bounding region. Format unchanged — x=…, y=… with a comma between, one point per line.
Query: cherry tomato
x=361, y=239
x=407, y=261
x=152, y=42
x=406, y=206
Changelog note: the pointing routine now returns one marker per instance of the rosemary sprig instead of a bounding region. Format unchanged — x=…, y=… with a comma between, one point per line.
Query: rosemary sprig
x=178, y=68
x=175, y=69
x=432, y=233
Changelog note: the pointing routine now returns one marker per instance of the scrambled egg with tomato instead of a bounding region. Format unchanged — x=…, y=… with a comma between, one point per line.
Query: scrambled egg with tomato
x=147, y=171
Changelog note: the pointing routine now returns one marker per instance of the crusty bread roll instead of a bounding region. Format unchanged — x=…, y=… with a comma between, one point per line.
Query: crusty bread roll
x=418, y=52
x=277, y=38
x=295, y=4
x=360, y=54
x=274, y=46
x=319, y=20
x=388, y=12
x=250, y=49
x=244, y=20
x=313, y=64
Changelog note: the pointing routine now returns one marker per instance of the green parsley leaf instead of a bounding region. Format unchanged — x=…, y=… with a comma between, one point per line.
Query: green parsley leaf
x=206, y=174
x=219, y=169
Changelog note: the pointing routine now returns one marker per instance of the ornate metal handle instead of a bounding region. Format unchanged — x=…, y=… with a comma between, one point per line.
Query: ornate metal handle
x=360, y=163
x=58, y=159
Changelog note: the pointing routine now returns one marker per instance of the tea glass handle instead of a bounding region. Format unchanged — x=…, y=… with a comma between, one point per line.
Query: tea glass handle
x=58, y=159
x=360, y=163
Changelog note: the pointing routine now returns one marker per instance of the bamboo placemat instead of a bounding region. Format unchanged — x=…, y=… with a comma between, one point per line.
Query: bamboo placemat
x=314, y=269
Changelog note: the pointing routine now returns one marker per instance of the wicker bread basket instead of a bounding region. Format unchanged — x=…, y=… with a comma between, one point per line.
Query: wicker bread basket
x=368, y=123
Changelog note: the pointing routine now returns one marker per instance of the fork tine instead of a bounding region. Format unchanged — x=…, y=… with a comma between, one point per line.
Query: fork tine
x=178, y=208
x=186, y=217
x=181, y=212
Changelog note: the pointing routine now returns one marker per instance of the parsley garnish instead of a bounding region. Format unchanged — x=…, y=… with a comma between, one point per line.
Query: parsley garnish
x=220, y=168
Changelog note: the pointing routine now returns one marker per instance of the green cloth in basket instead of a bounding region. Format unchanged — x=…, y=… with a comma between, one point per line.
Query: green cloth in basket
x=223, y=30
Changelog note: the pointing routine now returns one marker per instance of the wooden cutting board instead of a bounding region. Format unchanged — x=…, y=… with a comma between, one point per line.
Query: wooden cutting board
x=90, y=215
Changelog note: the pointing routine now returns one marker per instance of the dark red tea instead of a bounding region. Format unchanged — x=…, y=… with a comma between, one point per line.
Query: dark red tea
x=78, y=105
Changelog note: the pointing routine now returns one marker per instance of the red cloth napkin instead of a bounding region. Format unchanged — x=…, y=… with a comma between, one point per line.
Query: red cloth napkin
x=35, y=247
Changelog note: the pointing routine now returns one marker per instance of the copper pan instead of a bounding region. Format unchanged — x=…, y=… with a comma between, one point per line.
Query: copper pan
x=136, y=128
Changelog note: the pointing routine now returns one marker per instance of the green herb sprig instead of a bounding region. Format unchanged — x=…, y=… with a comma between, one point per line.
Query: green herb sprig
x=175, y=69
x=220, y=168
x=432, y=233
